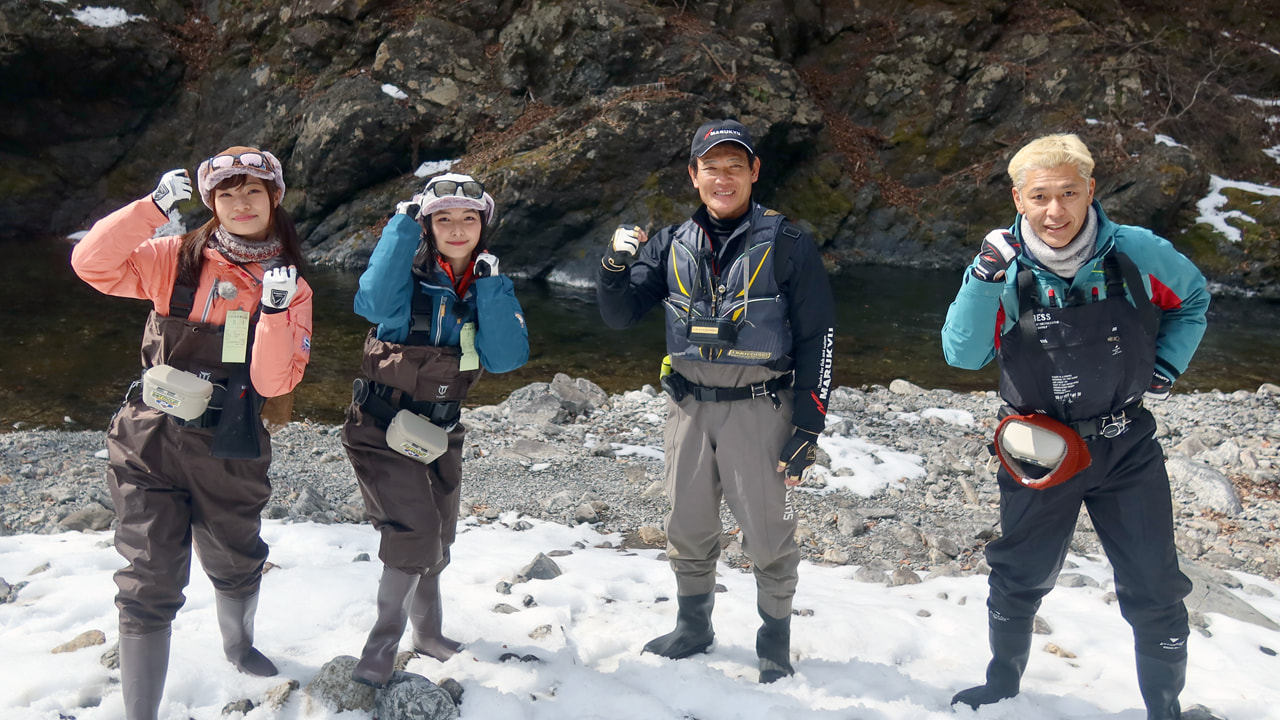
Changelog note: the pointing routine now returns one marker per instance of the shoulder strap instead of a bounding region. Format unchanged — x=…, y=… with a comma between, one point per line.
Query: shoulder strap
x=182, y=299
x=1147, y=311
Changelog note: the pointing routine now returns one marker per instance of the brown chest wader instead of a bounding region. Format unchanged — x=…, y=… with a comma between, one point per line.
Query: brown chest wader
x=172, y=493
x=414, y=506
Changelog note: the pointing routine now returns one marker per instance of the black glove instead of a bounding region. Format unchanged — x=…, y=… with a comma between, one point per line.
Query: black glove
x=1161, y=386
x=999, y=248
x=624, y=247
x=800, y=453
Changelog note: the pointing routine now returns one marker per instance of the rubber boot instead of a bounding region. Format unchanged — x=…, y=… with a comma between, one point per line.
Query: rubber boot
x=1160, y=682
x=235, y=619
x=378, y=659
x=425, y=614
x=773, y=647
x=144, y=662
x=1009, y=654
x=693, y=632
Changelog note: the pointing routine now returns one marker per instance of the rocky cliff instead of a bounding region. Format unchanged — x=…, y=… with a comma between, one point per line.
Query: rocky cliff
x=885, y=126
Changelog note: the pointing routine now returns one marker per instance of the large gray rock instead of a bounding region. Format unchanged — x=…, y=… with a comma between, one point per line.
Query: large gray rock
x=1212, y=489
x=413, y=697
x=333, y=688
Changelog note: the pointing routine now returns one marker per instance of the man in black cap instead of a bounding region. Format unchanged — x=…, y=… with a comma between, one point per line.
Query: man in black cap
x=750, y=322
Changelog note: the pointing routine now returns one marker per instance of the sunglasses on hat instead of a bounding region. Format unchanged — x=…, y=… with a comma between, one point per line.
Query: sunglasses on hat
x=248, y=159
x=445, y=188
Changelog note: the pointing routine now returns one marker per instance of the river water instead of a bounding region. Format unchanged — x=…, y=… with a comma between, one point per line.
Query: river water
x=68, y=352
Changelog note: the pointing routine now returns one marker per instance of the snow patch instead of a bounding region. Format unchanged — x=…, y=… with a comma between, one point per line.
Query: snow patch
x=394, y=91
x=104, y=17
x=1210, y=206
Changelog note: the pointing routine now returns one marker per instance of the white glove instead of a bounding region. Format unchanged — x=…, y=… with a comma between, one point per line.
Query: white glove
x=174, y=187
x=279, y=285
x=624, y=247
x=409, y=207
x=486, y=265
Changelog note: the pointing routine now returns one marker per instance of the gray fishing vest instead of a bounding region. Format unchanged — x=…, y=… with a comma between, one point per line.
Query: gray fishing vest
x=746, y=293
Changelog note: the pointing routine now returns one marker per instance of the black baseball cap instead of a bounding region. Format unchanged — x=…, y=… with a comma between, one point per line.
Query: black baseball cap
x=717, y=131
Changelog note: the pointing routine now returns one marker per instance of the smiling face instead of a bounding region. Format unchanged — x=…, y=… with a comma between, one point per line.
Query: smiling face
x=1056, y=202
x=723, y=179
x=456, y=232
x=245, y=210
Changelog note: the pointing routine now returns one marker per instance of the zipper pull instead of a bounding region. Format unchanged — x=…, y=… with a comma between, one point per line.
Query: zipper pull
x=1053, y=299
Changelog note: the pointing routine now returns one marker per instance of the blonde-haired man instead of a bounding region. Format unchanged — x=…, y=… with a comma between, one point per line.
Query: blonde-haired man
x=1086, y=318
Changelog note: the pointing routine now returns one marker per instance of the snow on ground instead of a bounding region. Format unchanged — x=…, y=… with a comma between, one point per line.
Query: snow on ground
x=870, y=652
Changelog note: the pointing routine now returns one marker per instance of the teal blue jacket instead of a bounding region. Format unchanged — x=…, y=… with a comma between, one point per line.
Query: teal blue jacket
x=983, y=311
x=386, y=293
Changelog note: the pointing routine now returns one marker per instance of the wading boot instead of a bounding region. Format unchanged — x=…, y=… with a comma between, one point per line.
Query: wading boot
x=773, y=647
x=378, y=659
x=425, y=614
x=1009, y=654
x=693, y=632
x=144, y=662
x=235, y=620
x=1161, y=680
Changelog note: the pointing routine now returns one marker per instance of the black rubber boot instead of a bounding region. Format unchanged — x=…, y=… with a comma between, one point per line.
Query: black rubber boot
x=378, y=659
x=1161, y=681
x=693, y=632
x=773, y=647
x=1009, y=654
x=427, y=617
x=144, y=662
x=235, y=620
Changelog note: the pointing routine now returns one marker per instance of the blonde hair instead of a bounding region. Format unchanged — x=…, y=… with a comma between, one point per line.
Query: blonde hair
x=1051, y=151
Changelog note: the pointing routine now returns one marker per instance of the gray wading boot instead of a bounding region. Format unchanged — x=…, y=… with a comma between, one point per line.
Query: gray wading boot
x=1160, y=682
x=378, y=659
x=144, y=662
x=773, y=647
x=235, y=619
x=693, y=632
x=1009, y=654
x=426, y=615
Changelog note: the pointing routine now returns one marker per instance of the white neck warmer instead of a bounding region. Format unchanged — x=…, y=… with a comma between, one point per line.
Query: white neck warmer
x=1067, y=260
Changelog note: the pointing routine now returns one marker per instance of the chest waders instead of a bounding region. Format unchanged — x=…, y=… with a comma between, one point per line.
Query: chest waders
x=413, y=506
x=1085, y=363
x=179, y=483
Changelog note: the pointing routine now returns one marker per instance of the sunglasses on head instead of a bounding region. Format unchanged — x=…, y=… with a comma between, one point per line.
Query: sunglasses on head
x=445, y=188
x=248, y=159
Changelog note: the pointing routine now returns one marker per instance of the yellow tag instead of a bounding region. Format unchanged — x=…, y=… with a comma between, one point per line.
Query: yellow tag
x=470, y=358
x=235, y=337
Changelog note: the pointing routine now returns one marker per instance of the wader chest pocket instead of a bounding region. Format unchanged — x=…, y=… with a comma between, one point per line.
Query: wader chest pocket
x=712, y=332
x=176, y=392
x=414, y=436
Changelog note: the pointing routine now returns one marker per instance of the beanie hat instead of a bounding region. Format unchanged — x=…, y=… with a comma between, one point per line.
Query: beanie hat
x=455, y=190
x=238, y=160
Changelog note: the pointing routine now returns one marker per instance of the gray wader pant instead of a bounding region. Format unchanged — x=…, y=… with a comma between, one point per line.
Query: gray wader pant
x=730, y=450
x=171, y=494
x=413, y=506
x=1126, y=491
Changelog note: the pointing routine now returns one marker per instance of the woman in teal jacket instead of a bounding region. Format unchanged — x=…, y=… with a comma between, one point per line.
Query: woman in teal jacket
x=443, y=315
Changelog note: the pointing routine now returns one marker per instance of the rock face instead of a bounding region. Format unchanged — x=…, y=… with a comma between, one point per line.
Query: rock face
x=885, y=126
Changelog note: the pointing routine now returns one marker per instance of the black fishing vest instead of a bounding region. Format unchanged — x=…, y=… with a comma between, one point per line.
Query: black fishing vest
x=746, y=293
x=1083, y=360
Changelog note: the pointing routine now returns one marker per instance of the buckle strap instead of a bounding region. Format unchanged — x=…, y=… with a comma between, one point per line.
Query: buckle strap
x=383, y=401
x=703, y=393
x=1111, y=425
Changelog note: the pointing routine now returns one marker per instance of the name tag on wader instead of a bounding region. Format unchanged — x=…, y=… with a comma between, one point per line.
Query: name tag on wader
x=470, y=358
x=235, y=337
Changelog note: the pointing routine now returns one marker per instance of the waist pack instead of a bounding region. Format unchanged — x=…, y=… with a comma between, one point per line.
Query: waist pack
x=1038, y=451
x=408, y=432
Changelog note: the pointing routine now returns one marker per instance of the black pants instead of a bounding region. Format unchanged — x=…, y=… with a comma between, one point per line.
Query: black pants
x=1126, y=492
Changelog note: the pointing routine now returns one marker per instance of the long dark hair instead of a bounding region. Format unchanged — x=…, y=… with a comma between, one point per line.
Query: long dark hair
x=426, y=260
x=191, y=252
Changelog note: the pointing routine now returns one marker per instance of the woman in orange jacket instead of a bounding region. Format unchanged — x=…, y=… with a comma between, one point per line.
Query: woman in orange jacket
x=231, y=322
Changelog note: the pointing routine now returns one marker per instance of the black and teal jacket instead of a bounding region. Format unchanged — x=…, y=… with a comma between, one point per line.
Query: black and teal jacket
x=983, y=311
